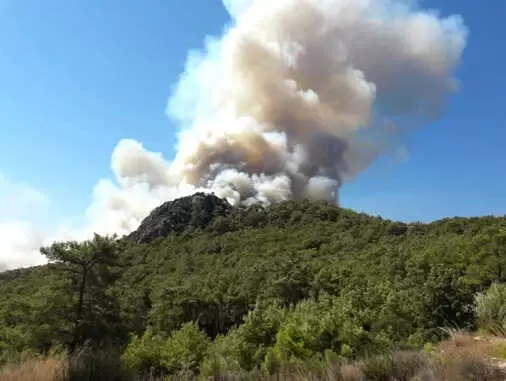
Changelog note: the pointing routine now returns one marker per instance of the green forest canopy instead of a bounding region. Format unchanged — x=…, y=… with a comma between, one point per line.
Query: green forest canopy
x=289, y=281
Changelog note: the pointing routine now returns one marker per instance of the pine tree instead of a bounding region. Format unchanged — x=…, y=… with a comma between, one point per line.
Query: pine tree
x=88, y=271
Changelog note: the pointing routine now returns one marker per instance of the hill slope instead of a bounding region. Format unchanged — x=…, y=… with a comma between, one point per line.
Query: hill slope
x=259, y=276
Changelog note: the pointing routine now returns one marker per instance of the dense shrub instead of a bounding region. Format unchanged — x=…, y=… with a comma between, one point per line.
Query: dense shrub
x=145, y=354
x=185, y=350
x=181, y=353
x=314, y=326
x=490, y=307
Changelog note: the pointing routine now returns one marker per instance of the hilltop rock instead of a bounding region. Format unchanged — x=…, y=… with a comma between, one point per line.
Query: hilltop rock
x=195, y=211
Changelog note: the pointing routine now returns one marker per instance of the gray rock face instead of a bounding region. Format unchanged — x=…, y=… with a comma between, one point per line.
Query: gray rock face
x=196, y=211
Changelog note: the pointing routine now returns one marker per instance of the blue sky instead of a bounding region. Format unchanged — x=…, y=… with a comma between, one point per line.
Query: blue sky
x=78, y=76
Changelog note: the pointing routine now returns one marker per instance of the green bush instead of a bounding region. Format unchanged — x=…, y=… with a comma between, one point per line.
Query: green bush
x=245, y=346
x=181, y=353
x=314, y=326
x=145, y=354
x=490, y=308
x=257, y=334
x=222, y=356
x=185, y=349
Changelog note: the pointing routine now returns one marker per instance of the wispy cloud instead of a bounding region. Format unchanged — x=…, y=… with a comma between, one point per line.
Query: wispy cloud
x=21, y=206
x=20, y=200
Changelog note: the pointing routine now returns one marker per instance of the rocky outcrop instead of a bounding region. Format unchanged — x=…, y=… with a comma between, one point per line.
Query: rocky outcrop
x=196, y=211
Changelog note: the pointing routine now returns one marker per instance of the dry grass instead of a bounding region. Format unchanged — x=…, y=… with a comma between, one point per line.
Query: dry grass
x=491, y=349
x=467, y=370
x=462, y=345
x=467, y=357
x=47, y=369
x=463, y=357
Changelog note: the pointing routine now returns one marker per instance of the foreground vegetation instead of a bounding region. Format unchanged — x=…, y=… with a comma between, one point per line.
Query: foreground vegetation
x=257, y=291
x=460, y=358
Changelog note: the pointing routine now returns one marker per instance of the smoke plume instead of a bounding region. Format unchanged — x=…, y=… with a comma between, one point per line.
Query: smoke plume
x=289, y=102
x=294, y=99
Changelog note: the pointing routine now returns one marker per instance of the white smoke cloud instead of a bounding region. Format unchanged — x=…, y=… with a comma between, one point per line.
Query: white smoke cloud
x=20, y=239
x=20, y=200
x=301, y=90
x=294, y=99
x=19, y=245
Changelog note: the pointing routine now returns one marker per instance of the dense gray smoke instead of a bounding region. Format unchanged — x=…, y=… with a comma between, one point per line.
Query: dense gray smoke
x=294, y=99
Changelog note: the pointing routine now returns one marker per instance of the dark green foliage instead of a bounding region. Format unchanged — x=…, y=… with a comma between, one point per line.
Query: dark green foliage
x=268, y=286
x=181, y=353
x=490, y=307
x=86, y=272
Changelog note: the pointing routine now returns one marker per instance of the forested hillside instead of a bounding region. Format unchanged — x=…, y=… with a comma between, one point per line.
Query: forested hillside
x=243, y=288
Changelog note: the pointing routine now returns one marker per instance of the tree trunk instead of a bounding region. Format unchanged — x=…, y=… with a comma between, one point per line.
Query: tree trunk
x=79, y=313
